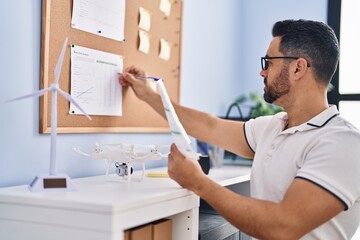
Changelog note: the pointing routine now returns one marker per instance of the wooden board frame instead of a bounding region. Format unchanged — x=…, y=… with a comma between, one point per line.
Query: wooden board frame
x=137, y=115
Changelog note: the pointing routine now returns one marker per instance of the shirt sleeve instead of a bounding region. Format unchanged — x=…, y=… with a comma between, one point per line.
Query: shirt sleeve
x=254, y=129
x=333, y=163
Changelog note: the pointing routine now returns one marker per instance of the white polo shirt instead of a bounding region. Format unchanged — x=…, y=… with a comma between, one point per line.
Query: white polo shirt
x=324, y=151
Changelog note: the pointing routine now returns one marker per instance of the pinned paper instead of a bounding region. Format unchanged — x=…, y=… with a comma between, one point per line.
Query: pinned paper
x=94, y=77
x=165, y=49
x=106, y=21
x=144, y=45
x=145, y=19
x=165, y=6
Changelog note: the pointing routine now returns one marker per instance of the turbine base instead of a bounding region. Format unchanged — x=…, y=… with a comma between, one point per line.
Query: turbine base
x=52, y=183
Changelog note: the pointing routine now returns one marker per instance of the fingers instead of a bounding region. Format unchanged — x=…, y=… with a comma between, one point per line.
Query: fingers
x=171, y=156
x=135, y=71
x=128, y=76
x=122, y=80
x=171, y=166
x=172, y=160
x=175, y=152
x=126, y=79
x=173, y=148
x=176, y=161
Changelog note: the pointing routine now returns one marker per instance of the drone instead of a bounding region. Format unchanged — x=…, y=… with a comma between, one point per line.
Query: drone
x=124, y=155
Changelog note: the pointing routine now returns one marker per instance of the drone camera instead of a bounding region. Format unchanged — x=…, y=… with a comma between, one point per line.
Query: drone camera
x=122, y=169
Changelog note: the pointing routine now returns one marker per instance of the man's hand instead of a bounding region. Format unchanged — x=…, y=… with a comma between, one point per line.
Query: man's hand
x=186, y=172
x=141, y=87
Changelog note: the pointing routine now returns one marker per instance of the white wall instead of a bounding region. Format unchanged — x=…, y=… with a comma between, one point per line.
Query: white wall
x=223, y=41
x=211, y=49
x=258, y=19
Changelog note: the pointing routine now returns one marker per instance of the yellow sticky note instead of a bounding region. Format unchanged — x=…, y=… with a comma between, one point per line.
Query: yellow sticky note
x=158, y=174
x=165, y=6
x=165, y=49
x=145, y=19
x=144, y=45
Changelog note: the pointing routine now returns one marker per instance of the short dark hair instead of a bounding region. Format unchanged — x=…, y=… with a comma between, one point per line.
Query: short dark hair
x=312, y=40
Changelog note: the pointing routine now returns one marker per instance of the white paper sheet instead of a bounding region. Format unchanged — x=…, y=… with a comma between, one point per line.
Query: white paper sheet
x=94, y=81
x=104, y=18
x=178, y=133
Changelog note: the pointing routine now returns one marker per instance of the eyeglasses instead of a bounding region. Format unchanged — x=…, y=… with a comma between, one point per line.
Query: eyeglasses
x=265, y=62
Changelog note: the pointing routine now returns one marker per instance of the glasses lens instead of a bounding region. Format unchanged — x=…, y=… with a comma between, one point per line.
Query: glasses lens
x=264, y=63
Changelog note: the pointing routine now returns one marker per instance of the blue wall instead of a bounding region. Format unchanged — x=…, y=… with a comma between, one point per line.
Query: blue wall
x=223, y=41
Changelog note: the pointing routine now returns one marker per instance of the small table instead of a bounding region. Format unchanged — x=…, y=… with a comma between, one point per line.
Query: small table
x=103, y=209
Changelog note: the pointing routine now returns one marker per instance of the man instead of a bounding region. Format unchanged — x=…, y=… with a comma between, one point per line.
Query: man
x=305, y=180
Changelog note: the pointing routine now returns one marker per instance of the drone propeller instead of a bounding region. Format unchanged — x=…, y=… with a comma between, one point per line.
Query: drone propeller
x=157, y=146
x=137, y=145
x=77, y=150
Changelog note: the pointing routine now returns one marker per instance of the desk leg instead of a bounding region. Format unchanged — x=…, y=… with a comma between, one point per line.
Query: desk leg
x=186, y=225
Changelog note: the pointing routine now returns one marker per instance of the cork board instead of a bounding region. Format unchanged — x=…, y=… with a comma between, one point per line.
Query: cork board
x=137, y=116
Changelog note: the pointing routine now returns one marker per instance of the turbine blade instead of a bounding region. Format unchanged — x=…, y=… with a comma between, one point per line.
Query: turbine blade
x=34, y=94
x=60, y=61
x=70, y=99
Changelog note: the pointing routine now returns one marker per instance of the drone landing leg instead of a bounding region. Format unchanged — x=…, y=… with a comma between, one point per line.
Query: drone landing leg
x=143, y=170
x=129, y=172
x=108, y=167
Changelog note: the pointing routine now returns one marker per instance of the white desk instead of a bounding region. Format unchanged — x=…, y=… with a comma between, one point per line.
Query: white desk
x=103, y=209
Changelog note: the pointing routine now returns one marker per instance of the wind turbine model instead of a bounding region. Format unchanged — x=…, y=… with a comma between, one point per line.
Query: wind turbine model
x=53, y=181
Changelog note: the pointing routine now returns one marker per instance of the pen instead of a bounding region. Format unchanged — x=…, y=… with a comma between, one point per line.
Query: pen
x=143, y=77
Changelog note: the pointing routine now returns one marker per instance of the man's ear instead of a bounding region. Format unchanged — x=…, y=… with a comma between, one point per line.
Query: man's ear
x=300, y=68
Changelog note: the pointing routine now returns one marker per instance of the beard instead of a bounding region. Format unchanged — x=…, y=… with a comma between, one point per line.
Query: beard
x=278, y=88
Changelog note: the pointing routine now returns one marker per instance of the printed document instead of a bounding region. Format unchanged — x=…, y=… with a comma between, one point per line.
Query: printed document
x=104, y=18
x=94, y=81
